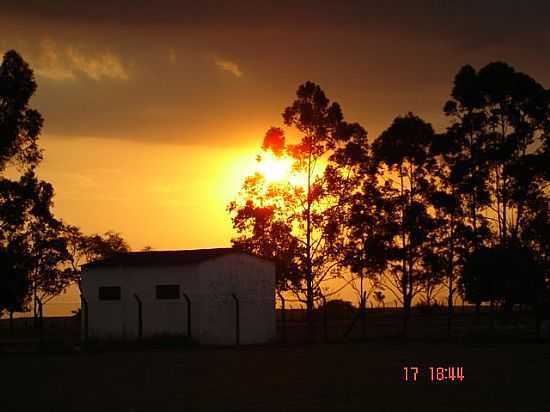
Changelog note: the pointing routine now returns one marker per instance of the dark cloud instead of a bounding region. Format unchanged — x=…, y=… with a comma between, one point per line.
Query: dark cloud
x=502, y=16
x=215, y=72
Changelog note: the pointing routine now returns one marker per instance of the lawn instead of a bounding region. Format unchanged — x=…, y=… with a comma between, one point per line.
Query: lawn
x=297, y=377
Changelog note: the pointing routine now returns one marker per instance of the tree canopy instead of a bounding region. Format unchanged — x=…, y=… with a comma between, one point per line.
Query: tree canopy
x=414, y=211
x=39, y=254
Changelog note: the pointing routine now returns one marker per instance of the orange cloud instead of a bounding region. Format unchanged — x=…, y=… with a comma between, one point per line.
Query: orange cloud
x=230, y=67
x=67, y=63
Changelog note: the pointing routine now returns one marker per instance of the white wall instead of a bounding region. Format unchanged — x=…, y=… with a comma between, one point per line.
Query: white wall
x=252, y=280
x=119, y=319
x=209, y=285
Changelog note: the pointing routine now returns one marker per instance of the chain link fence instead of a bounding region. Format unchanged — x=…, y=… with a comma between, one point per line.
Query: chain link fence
x=57, y=323
x=339, y=323
x=61, y=327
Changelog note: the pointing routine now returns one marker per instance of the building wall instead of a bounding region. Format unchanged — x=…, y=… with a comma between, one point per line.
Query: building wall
x=252, y=280
x=209, y=285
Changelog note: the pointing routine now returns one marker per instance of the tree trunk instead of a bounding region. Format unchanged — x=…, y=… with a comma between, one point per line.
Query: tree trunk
x=310, y=310
x=406, y=314
x=450, y=310
x=309, y=268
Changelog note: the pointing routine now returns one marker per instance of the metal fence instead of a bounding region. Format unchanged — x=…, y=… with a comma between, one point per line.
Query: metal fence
x=43, y=325
x=26, y=332
x=383, y=324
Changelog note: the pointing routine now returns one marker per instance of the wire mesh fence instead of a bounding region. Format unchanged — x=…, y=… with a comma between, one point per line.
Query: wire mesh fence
x=43, y=325
x=331, y=323
x=339, y=323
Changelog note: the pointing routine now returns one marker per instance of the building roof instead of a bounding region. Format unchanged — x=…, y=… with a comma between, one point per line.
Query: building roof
x=163, y=258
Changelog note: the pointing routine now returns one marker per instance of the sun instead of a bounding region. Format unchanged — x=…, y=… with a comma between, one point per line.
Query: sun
x=273, y=168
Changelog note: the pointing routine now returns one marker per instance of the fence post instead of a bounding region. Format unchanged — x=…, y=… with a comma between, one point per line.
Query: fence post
x=34, y=311
x=283, y=315
x=40, y=321
x=237, y=319
x=140, y=316
x=356, y=316
x=84, y=316
x=188, y=314
x=325, y=318
x=363, y=315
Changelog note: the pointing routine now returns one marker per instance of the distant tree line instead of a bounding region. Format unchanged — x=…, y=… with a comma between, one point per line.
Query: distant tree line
x=39, y=254
x=413, y=211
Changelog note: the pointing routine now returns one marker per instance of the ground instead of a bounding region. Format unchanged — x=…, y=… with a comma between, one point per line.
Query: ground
x=363, y=376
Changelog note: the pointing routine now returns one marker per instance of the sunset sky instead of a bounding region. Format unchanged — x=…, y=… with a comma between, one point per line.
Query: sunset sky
x=154, y=111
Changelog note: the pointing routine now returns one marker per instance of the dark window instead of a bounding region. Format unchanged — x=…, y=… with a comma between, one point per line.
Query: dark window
x=109, y=293
x=168, y=291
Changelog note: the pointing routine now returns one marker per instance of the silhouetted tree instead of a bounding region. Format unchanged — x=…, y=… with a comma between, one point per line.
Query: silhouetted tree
x=536, y=233
x=421, y=210
x=500, y=135
x=37, y=234
x=433, y=273
x=19, y=130
x=84, y=248
x=508, y=275
x=357, y=216
x=20, y=125
x=517, y=109
x=106, y=245
x=34, y=257
x=14, y=282
x=403, y=155
x=453, y=237
x=263, y=227
x=294, y=223
x=360, y=213
x=28, y=226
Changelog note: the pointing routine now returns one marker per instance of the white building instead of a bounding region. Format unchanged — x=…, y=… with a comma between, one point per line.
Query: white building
x=231, y=296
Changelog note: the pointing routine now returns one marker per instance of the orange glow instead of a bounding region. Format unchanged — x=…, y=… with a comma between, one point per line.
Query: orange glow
x=275, y=169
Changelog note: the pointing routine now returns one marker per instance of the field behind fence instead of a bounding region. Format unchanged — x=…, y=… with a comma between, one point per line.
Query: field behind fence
x=336, y=324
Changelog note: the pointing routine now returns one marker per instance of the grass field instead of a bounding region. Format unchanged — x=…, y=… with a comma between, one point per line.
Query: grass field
x=345, y=375
x=320, y=377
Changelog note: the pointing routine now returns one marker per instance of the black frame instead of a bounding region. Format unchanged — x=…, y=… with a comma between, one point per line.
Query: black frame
x=109, y=293
x=166, y=292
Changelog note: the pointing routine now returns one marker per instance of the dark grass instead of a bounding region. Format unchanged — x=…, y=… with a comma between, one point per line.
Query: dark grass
x=505, y=369
x=296, y=377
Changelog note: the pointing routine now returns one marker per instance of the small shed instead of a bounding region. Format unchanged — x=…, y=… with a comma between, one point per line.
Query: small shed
x=218, y=296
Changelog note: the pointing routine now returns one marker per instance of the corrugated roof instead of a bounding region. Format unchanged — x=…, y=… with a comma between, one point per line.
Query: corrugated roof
x=164, y=258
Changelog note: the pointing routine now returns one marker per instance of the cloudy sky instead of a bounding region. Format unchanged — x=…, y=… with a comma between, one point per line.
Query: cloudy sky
x=154, y=110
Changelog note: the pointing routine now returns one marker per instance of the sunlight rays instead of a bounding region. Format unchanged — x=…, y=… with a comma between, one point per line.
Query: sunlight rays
x=275, y=169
